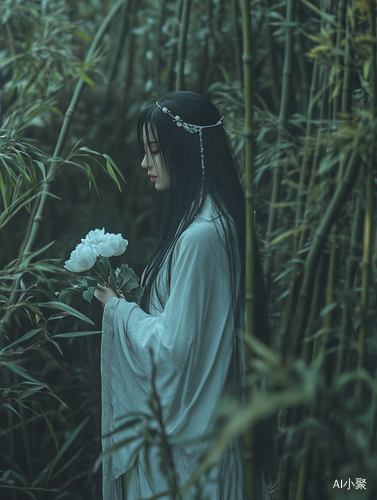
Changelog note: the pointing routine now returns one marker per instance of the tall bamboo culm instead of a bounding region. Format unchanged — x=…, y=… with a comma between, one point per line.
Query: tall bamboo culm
x=249, y=170
x=179, y=84
x=370, y=165
x=283, y=116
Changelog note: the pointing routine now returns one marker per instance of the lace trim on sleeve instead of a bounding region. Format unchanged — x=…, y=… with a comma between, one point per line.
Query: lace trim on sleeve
x=108, y=486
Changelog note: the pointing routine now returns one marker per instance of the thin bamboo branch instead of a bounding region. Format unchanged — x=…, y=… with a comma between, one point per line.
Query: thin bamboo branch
x=179, y=84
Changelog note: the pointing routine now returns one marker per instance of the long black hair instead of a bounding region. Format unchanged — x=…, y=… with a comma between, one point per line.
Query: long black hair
x=180, y=151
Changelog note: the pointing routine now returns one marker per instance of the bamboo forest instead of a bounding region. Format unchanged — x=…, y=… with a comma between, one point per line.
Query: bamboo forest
x=296, y=82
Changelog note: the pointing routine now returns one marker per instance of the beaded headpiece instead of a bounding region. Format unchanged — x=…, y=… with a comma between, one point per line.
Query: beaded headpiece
x=190, y=127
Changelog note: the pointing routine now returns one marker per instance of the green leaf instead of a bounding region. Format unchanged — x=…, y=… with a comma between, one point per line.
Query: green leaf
x=76, y=334
x=89, y=293
x=32, y=390
x=85, y=77
x=27, y=335
x=67, y=309
x=286, y=234
x=112, y=174
x=67, y=444
x=3, y=192
x=20, y=372
x=113, y=164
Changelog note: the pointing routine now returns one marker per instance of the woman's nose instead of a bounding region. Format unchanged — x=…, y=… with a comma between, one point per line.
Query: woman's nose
x=144, y=162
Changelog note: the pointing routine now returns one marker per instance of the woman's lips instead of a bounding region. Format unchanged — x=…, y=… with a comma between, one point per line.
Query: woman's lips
x=153, y=178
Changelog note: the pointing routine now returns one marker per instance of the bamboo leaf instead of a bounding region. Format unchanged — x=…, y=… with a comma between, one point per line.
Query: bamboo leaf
x=66, y=445
x=27, y=336
x=85, y=77
x=20, y=372
x=115, y=167
x=286, y=234
x=67, y=309
x=75, y=334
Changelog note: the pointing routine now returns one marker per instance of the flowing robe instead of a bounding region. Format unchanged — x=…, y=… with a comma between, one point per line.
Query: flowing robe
x=197, y=355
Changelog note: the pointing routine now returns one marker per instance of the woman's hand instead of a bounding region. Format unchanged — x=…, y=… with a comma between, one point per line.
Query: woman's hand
x=104, y=294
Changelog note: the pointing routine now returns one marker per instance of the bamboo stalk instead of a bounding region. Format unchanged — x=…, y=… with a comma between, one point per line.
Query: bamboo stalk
x=157, y=56
x=206, y=63
x=301, y=197
x=179, y=84
x=351, y=264
x=30, y=237
x=367, y=239
x=26, y=442
x=249, y=170
x=271, y=55
x=330, y=292
x=332, y=211
x=11, y=446
x=302, y=60
x=178, y=14
x=119, y=39
x=283, y=116
x=338, y=65
x=238, y=42
x=310, y=346
x=328, y=320
x=250, y=243
x=303, y=201
x=350, y=277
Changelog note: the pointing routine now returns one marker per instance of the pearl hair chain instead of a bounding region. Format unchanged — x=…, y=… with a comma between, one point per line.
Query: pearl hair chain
x=190, y=127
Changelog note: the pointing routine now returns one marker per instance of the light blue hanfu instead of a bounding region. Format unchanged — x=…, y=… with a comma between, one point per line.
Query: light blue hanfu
x=197, y=355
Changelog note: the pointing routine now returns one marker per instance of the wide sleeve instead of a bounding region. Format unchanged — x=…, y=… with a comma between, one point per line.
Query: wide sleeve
x=192, y=342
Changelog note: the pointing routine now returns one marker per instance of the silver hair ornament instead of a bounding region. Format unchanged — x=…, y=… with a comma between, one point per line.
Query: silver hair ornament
x=190, y=127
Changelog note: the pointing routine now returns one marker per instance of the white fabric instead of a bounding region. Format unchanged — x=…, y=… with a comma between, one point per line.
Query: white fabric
x=196, y=353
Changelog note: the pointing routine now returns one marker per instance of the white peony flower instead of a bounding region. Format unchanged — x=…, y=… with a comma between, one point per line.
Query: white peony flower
x=82, y=259
x=105, y=244
x=94, y=237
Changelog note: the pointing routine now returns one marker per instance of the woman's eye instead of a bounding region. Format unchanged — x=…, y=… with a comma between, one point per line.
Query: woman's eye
x=155, y=151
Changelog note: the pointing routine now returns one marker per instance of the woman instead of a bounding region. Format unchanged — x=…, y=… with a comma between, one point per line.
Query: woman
x=191, y=313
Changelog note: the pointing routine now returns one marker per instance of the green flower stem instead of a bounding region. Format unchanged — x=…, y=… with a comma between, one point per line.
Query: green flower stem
x=109, y=284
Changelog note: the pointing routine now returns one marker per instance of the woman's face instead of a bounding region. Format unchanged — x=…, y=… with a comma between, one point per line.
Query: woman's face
x=154, y=162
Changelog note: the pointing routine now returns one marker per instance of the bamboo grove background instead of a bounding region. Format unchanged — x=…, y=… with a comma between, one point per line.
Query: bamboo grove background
x=296, y=81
